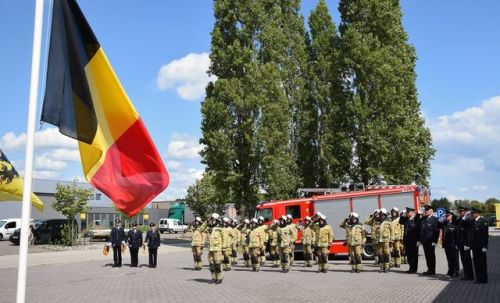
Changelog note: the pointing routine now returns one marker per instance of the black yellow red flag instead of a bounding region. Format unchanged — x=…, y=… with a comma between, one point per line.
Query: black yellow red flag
x=85, y=100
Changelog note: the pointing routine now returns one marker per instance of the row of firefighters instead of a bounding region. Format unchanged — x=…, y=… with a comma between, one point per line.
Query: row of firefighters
x=226, y=237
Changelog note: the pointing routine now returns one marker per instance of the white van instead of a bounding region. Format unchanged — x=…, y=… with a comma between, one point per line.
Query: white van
x=171, y=226
x=7, y=227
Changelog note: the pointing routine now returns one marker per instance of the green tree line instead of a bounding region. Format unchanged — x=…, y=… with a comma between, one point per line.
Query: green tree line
x=295, y=107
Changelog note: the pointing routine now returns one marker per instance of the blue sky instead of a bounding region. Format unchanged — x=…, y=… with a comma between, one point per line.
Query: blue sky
x=159, y=51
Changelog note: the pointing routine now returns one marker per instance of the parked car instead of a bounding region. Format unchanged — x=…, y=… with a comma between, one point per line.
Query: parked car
x=8, y=226
x=492, y=221
x=44, y=231
x=171, y=226
x=16, y=235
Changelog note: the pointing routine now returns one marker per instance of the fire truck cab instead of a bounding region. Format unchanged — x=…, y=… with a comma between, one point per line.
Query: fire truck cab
x=337, y=205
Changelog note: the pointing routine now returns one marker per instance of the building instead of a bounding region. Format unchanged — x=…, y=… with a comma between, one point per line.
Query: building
x=100, y=212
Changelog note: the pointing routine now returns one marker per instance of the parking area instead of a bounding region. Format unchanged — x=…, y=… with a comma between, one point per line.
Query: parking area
x=93, y=279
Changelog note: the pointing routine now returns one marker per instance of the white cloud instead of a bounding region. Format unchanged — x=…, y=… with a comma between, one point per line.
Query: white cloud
x=43, y=174
x=180, y=180
x=46, y=138
x=184, y=147
x=64, y=154
x=457, y=165
x=45, y=162
x=174, y=165
x=187, y=75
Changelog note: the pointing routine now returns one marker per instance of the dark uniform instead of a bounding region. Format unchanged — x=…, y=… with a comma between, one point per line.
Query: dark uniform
x=153, y=242
x=410, y=239
x=479, y=246
x=117, y=237
x=134, y=240
x=429, y=238
x=450, y=245
x=464, y=225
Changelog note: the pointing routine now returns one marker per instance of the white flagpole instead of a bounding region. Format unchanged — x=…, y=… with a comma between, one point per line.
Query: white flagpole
x=30, y=144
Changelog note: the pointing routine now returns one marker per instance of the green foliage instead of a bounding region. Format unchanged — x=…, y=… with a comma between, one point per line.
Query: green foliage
x=203, y=197
x=71, y=200
x=441, y=203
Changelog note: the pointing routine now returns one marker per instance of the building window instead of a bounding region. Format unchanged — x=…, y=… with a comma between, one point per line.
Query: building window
x=98, y=197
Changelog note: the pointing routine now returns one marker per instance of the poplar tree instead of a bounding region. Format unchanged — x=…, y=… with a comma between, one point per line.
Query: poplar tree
x=389, y=132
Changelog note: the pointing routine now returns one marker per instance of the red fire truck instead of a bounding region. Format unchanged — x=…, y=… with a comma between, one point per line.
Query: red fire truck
x=337, y=205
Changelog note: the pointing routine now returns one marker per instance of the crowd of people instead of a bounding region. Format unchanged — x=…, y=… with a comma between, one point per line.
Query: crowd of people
x=396, y=238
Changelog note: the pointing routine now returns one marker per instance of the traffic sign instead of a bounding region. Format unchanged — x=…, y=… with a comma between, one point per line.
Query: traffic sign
x=440, y=213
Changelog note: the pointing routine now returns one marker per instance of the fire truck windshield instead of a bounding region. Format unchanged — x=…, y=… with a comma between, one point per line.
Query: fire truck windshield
x=267, y=213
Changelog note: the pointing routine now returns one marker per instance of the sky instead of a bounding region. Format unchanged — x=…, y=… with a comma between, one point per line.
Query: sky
x=159, y=50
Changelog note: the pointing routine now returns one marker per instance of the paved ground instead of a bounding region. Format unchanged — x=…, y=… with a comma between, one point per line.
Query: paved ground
x=174, y=281
x=7, y=248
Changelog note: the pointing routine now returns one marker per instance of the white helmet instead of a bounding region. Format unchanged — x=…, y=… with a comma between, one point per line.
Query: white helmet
x=283, y=217
x=383, y=210
x=395, y=209
x=254, y=220
x=307, y=218
x=318, y=214
x=354, y=215
x=323, y=217
x=289, y=216
x=246, y=221
x=235, y=221
x=275, y=221
x=225, y=220
x=260, y=218
x=377, y=210
x=215, y=216
x=197, y=219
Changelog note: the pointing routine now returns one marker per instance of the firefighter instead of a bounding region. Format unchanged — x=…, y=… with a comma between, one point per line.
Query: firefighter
x=449, y=243
x=198, y=241
x=464, y=225
x=273, y=243
x=397, y=236
x=244, y=229
x=308, y=238
x=479, y=246
x=429, y=237
x=385, y=235
x=355, y=240
x=374, y=222
x=236, y=241
x=284, y=238
x=293, y=228
x=315, y=228
x=325, y=240
x=216, y=243
x=255, y=244
x=228, y=240
x=263, y=229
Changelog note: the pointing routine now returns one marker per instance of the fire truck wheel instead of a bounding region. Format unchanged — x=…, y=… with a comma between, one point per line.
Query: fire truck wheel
x=368, y=251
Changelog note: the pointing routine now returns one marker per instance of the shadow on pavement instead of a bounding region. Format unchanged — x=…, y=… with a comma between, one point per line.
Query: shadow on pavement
x=201, y=280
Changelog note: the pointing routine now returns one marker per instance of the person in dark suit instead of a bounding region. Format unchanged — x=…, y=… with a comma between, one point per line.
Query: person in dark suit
x=479, y=246
x=117, y=238
x=134, y=239
x=450, y=244
x=429, y=238
x=153, y=242
x=464, y=225
x=411, y=238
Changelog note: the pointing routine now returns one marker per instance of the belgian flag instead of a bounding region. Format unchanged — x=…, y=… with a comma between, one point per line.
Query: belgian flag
x=11, y=184
x=84, y=98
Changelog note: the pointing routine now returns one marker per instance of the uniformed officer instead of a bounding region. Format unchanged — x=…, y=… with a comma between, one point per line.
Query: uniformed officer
x=397, y=237
x=117, y=238
x=273, y=243
x=152, y=240
x=411, y=238
x=429, y=238
x=374, y=222
x=325, y=240
x=450, y=244
x=198, y=241
x=134, y=239
x=308, y=237
x=385, y=236
x=479, y=246
x=355, y=240
x=244, y=229
x=255, y=245
x=293, y=228
x=216, y=242
x=464, y=225
x=236, y=241
x=284, y=238
x=263, y=229
x=228, y=240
